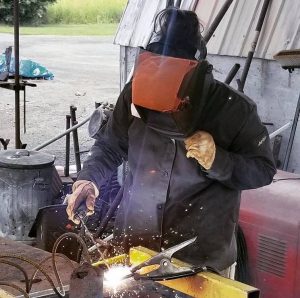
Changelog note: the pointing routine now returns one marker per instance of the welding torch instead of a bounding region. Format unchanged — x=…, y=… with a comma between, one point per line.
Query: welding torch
x=81, y=214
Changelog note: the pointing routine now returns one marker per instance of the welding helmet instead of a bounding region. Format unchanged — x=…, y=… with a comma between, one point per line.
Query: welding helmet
x=166, y=91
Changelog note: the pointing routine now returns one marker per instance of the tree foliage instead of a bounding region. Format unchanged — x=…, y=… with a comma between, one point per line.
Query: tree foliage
x=31, y=11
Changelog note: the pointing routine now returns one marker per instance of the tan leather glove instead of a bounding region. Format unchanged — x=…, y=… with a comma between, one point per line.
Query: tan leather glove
x=83, y=191
x=201, y=146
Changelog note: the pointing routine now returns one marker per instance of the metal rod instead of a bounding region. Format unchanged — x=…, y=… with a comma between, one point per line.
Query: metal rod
x=24, y=109
x=17, y=74
x=67, y=158
x=170, y=3
x=94, y=247
x=241, y=83
x=280, y=130
x=61, y=135
x=75, y=138
x=292, y=136
x=232, y=73
x=276, y=149
x=195, y=5
x=178, y=3
x=217, y=21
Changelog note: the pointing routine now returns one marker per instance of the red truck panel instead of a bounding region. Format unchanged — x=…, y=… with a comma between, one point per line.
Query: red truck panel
x=269, y=218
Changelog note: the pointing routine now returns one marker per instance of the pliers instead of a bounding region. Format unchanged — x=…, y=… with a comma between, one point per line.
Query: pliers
x=166, y=269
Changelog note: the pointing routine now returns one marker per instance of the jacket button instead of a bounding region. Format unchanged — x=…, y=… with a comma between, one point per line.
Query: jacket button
x=165, y=173
x=159, y=206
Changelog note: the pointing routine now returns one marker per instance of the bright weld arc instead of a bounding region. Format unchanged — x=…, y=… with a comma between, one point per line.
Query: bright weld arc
x=115, y=276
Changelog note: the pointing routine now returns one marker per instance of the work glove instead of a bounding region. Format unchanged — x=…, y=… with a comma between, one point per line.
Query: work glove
x=83, y=192
x=201, y=146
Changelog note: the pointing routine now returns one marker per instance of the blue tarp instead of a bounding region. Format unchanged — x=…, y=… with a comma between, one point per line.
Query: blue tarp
x=28, y=69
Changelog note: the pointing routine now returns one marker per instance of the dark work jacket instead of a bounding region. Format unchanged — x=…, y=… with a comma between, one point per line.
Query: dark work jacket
x=168, y=198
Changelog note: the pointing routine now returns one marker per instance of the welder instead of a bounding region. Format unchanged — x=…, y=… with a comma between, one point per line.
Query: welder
x=192, y=144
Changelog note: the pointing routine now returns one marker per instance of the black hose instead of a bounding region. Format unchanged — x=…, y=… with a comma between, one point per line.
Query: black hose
x=242, y=273
x=36, y=265
x=22, y=270
x=44, y=261
x=55, y=246
x=11, y=285
x=109, y=213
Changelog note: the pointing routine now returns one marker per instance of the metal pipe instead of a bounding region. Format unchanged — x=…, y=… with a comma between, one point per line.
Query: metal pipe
x=242, y=81
x=232, y=73
x=178, y=3
x=94, y=247
x=292, y=136
x=195, y=5
x=67, y=158
x=17, y=73
x=170, y=3
x=24, y=109
x=276, y=149
x=279, y=130
x=61, y=135
x=75, y=138
x=217, y=21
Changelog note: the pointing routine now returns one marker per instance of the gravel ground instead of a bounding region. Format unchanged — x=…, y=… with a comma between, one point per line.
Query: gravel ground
x=86, y=70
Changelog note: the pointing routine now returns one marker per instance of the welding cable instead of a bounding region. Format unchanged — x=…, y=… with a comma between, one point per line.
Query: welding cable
x=11, y=285
x=55, y=246
x=116, y=202
x=44, y=261
x=22, y=270
x=36, y=265
x=242, y=273
x=79, y=239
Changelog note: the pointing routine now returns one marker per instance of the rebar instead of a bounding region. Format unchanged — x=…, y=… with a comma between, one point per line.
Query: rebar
x=17, y=73
x=212, y=28
x=75, y=138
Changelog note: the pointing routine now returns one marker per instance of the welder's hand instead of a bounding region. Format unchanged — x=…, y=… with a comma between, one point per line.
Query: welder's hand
x=84, y=192
x=201, y=146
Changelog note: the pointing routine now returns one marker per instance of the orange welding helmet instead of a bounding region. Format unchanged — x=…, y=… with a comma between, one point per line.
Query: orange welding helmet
x=161, y=92
x=160, y=83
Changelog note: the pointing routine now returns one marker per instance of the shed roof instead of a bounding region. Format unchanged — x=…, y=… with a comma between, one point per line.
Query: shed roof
x=236, y=31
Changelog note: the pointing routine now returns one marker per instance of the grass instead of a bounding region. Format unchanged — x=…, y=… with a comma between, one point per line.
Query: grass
x=85, y=11
x=62, y=29
x=77, y=17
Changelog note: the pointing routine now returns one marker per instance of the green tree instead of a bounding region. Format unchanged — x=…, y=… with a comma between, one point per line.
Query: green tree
x=31, y=11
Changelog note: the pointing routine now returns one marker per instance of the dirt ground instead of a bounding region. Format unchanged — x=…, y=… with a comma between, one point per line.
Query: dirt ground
x=86, y=69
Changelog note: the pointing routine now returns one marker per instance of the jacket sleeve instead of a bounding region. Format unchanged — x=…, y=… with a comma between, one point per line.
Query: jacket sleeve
x=111, y=146
x=249, y=161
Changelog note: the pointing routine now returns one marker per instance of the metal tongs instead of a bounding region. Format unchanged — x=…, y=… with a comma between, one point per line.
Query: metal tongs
x=166, y=269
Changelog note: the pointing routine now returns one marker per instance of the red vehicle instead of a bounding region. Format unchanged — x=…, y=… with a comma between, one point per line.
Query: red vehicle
x=269, y=246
